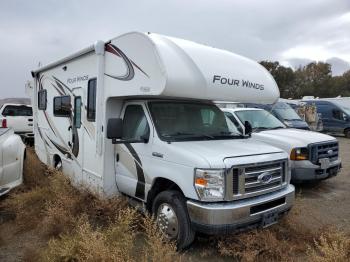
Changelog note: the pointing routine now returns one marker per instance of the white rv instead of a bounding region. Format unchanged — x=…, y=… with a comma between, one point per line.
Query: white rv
x=134, y=115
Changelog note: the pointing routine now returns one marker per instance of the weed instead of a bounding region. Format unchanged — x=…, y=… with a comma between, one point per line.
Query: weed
x=333, y=245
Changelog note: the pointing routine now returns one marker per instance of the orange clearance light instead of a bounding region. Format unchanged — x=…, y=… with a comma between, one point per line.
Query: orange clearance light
x=201, y=181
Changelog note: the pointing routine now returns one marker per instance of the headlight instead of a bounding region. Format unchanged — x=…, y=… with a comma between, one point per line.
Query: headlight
x=210, y=184
x=301, y=153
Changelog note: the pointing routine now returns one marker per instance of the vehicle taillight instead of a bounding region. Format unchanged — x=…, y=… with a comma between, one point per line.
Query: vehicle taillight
x=4, y=123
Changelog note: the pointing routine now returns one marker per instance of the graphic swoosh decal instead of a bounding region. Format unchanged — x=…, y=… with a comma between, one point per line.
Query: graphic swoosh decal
x=128, y=62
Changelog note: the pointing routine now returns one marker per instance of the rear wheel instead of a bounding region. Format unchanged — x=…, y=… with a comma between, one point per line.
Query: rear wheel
x=170, y=211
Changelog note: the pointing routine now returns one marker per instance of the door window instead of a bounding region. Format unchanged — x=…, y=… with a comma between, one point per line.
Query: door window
x=337, y=114
x=135, y=125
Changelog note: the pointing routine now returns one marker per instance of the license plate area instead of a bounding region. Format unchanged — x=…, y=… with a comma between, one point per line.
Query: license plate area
x=325, y=163
x=269, y=218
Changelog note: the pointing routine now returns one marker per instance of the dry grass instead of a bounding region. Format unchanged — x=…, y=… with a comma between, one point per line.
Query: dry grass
x=333, y=245
x=86, y=243
x=287, y=241
x=156, y=247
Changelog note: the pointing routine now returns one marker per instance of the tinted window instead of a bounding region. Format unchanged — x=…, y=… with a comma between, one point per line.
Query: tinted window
x=62, y=106
x=42, y=99
x=337, y=114
x=17, y=111
x=77, y=112
x=135, y=125
x=91, y=101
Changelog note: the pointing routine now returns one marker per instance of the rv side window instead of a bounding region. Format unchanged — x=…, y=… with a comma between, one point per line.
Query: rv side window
x=61, y=106
x=77, y=112
x=91, y=100
x=42, y=99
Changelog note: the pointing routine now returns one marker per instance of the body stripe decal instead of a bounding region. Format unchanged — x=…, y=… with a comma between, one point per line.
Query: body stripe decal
x=129, y=64
x=140, y=187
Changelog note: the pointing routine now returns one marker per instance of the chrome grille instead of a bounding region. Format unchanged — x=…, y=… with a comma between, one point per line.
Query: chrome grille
x=325, y=150
x=247, y=180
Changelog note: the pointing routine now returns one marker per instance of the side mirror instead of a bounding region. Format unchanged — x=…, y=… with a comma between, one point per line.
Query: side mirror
x=247, y=128
x=115, y=129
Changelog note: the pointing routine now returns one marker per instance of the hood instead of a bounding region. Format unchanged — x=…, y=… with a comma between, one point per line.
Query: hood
x=288, y=138
x=300, y=124
x=215, y=151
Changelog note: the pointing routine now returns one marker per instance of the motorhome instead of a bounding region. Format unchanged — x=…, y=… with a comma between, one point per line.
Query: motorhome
x=134, y=116
x=313, y=156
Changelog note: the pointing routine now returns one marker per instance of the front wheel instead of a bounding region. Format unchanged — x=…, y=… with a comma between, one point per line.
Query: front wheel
x=170, y=211
x=347, y=133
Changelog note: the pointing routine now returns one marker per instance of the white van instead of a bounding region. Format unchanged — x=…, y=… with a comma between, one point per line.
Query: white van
x=314, y=156
x=134, y=115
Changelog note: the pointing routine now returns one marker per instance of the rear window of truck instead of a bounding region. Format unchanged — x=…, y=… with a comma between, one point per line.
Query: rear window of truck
x=17, y=111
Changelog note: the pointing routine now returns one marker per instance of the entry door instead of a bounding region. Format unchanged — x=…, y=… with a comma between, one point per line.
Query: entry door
x=131, y=157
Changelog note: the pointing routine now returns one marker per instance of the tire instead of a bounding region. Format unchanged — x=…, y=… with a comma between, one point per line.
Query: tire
x=164, y=205
x=347, y=133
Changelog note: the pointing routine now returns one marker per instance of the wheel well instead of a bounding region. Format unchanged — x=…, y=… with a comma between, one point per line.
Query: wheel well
x=56, y=160
x=160, y=184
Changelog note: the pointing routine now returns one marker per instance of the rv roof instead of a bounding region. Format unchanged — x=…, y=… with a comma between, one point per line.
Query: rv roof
x=191, y=70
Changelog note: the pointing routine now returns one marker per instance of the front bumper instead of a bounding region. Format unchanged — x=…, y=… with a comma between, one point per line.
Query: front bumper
x=226, y=217
x=303, y=171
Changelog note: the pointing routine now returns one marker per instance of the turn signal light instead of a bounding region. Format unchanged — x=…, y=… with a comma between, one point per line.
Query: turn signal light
x=201, y=182
x=299, y=154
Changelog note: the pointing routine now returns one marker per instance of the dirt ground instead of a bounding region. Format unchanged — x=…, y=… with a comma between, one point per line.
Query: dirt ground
x=319, y=205
x=327, y=203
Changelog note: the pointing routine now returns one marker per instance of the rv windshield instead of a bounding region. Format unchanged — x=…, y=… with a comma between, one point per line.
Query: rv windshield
x=188, y=121
x=285, y=111
x=259, y=119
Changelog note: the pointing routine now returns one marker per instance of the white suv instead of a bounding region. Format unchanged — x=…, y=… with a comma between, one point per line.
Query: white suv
x=314, y=156
x=19, y=117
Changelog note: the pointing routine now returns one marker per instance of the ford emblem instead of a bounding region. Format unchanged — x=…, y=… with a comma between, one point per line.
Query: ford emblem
x=330, y=151
x=265, y=178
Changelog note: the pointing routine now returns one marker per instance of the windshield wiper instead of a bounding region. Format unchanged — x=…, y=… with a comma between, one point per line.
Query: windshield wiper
x=198, y=135
x=228, y=134
x=276, y=127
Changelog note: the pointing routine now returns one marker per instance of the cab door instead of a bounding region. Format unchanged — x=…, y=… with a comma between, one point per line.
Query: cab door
x=131, y=157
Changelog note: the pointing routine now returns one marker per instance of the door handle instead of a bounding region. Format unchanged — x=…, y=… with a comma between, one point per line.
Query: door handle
x=117, y=157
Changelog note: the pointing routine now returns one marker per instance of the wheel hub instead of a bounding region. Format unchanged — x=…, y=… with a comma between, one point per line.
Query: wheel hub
x=167, y=221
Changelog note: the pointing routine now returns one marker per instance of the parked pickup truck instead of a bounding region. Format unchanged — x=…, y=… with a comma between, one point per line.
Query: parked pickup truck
x=313, y=155
x=12, y=153
x=19, y=117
